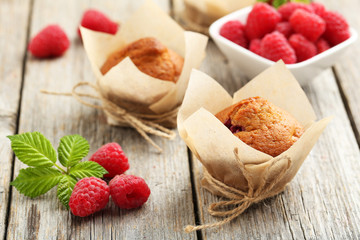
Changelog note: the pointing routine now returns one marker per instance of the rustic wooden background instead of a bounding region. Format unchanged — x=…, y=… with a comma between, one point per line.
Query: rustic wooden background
x=322, y=202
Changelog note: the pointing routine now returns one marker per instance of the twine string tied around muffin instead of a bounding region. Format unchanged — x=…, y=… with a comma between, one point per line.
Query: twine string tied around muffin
x=241, y=200
x=144, y=124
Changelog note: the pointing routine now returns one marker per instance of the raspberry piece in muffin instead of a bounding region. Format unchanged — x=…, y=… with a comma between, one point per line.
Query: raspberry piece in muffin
x=262, y=125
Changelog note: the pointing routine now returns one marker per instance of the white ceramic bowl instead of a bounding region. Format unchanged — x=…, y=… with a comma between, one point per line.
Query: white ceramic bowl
x=252, y=64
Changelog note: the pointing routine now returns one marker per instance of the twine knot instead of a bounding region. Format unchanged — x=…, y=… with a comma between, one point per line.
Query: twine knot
x=239, y=200
x=144, y=124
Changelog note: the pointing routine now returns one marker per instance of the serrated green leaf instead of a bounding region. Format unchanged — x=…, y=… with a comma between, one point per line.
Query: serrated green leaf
x=72, y=149
x=33, y=182
x=33, y=149
x=87, y=169
x=65, y=188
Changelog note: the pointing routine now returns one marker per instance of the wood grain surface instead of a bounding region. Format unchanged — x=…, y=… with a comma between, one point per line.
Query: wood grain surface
x=347, y=68
x=170, y=206
x=13, y=35
x=322, y=201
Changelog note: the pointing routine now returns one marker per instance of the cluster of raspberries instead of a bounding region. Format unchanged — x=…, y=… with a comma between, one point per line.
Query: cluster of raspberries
x=52, y=41
x=294, y=33
x=92, y=194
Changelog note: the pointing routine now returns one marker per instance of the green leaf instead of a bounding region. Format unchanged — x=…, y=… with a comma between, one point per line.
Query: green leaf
x=87, y=169
x=65, y=188
x=278, y=3
x=72, y=149
x=33, y=182
x=33, y=149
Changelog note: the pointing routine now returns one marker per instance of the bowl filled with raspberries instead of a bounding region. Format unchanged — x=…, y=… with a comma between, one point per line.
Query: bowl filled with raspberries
x=307, y=37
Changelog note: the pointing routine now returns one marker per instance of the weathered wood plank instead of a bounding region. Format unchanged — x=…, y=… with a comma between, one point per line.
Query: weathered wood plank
x=12, y=49
x=170, y=205
x=322, y=201
x=347, y=68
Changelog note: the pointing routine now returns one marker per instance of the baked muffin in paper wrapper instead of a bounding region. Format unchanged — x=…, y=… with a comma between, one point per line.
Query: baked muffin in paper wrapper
x=229, y=161
x=128, y=87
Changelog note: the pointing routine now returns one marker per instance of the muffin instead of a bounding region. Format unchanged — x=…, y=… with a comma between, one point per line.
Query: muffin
x=262, y=125
x=151, y=57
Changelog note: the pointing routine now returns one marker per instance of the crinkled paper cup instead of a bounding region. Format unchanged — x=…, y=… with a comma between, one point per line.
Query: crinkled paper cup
x=213, y=144
x=125, y=85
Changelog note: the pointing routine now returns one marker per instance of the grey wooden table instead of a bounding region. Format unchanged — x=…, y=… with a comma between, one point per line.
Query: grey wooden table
x=322, y=202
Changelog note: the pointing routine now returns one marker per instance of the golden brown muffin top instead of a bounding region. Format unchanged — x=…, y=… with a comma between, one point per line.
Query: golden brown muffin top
x=151, y=57
x=262, y=125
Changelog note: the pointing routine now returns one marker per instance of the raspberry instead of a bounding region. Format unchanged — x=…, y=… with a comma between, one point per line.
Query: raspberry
x=322, y=45
x=274, y=46
x=288, y=9
x=337, y=28
x=318, y=8
x=90, y=195
x=128, y=191
x=308, y=24
x=49, y=42
x=255, y=45
x=112, y=158
x=284, y=28
x=234, y=31
x=97, y=21
x=261, y=20
x=304, y=49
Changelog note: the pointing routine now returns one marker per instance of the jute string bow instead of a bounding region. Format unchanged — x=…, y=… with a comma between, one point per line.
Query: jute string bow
x=143, y=123
x=241, y=200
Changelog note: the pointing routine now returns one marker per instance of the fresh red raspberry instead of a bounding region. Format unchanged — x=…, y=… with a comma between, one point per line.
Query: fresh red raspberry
x=274, y=46
x=308, y=24
x=322, y=45
x=255, y=46
x=234, y=31
x=318, y=8
x=284, y=28
x=261, y=20
x=112, y=158
x=304, y=49
x=90, y=195
x=337, y=28
x=49, y=42
x=288, y=9
x=97, y=21
x=128, y=191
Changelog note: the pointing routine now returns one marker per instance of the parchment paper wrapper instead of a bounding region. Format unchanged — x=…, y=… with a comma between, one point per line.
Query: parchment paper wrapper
x=128, y=87
x=213, y=144
x=198, y=15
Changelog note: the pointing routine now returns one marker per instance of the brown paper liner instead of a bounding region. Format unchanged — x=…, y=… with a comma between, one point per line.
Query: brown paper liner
x=213, y=144
x=128, y=96
x=241, y=200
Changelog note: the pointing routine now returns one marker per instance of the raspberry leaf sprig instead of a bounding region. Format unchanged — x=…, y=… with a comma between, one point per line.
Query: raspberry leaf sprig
x=43, y=173
x=278, y=3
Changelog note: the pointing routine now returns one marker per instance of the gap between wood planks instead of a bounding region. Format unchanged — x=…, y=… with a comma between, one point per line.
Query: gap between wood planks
x=190, y=158
x=346, y=105
x=23, y=69
x=194, y=195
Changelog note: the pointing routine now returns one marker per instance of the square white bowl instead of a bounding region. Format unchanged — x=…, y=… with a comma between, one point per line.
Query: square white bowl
x=252, y=64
